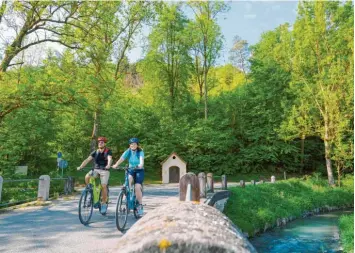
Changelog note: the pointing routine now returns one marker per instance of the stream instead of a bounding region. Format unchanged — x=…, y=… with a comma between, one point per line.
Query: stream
x=319, y=233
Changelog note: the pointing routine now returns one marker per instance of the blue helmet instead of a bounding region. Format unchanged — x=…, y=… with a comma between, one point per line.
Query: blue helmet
x=133, y=140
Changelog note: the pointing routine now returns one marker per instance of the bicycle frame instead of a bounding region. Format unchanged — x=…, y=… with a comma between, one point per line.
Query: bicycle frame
x=96, y=188
x=131, y=194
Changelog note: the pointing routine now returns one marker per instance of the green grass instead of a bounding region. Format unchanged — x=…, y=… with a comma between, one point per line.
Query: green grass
x=346, y=225
x=252, y=207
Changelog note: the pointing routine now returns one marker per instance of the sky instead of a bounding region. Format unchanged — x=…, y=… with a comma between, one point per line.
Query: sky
x=248, y=19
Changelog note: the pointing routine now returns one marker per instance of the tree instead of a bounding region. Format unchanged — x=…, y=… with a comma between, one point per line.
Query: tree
x=167, y=57
x=322, y=62
x=36, y=22
x=207, y=37
x=239, y=54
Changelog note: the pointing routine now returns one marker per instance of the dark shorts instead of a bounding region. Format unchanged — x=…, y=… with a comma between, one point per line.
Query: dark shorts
x=138, y=175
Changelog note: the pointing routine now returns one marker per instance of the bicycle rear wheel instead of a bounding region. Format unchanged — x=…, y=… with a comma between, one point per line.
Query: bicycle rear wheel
x=86, y=206
x=121, y=211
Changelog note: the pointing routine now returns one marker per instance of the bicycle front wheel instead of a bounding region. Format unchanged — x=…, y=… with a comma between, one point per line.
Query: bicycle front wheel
x=121, y=211
x=86, y=206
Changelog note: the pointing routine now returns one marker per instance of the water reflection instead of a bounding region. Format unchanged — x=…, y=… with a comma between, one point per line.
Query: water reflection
x=313, y=234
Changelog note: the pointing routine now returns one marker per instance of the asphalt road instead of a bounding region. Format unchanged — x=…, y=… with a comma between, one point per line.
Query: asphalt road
x=56, y=228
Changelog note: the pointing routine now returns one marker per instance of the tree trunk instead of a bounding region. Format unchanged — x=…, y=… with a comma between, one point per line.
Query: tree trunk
x=302, y=153
x=95, y=131
x=327, y=153
x=205, y=79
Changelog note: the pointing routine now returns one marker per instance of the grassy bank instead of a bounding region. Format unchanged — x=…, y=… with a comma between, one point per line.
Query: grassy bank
x=346, y=225
x=252, y=207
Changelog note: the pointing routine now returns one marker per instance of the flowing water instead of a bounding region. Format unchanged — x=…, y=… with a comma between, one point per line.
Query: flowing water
x=319, y=233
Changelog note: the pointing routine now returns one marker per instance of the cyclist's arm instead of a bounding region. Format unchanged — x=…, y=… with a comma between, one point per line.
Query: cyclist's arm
x=86, y=161
x=109, y=161
x=141, y=162
x=118, y=163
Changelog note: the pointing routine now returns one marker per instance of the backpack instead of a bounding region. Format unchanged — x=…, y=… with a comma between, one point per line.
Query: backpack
x=106, y=150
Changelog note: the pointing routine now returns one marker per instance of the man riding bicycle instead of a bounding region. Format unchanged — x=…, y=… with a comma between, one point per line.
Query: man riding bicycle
x=135, y=156
x=103, y=160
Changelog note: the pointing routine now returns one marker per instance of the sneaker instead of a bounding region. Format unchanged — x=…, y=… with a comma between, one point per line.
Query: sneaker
x=140, y=210
x=103, y=208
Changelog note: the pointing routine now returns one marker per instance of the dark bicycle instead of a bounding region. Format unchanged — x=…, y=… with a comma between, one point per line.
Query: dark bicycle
x=90, y=199
x=126, y=202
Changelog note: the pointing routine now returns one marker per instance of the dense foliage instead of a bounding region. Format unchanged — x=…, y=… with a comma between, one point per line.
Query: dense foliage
x=281, y=113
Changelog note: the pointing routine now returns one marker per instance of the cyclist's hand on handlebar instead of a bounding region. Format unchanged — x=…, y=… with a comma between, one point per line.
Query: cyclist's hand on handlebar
x=79, y=168
x=114, y=166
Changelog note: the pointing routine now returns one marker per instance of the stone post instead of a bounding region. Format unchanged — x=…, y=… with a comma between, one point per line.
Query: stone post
x=273, y=179
x=43, y=187
x=202, y=181
x=210, y=182
x=224, y=182
x=242, y=183
x=184, y=227
x=192, y=180
x=1, y=181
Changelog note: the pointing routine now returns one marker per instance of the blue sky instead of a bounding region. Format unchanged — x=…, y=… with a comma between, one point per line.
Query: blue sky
x=248, y=19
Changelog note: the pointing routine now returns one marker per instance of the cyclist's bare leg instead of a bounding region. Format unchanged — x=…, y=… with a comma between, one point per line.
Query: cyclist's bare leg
x=104, y=193
x=139, y=192
x=130, y=179
x=87, y=179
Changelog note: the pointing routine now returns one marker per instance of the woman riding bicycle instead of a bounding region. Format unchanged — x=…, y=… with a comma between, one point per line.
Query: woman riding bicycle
x=135, y=156
x=103, y=160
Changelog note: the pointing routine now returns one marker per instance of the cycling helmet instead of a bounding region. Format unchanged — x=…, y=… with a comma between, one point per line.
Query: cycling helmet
x=102, y=139
x=133, y=140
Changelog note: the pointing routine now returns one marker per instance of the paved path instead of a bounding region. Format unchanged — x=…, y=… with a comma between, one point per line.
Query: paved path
x=56, y=228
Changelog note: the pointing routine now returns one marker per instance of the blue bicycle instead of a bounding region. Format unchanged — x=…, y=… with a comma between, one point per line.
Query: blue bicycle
x=126, y=202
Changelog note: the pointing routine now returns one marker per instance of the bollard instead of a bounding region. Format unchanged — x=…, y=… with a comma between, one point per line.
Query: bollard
x=252, y=182
x=273, y=179
x=1, y=181
x=285, y=175
x=224, y=182
x=242, y=183
x=192, y=180
x=210, y=182
x=69, y=185
x=43, y=187
x=202, y=181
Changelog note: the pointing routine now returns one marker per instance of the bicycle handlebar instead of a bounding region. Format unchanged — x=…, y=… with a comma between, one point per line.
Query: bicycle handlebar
x=125, y=168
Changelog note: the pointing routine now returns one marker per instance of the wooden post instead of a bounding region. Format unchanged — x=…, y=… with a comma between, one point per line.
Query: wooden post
x=224, y=182
x=202, y=181
x=68, y=185
x=185, y=180
x=242, y=183
x=273, y=179
x=43, y=187
x=285, y=175
x=1, y=181
x=210, y=182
